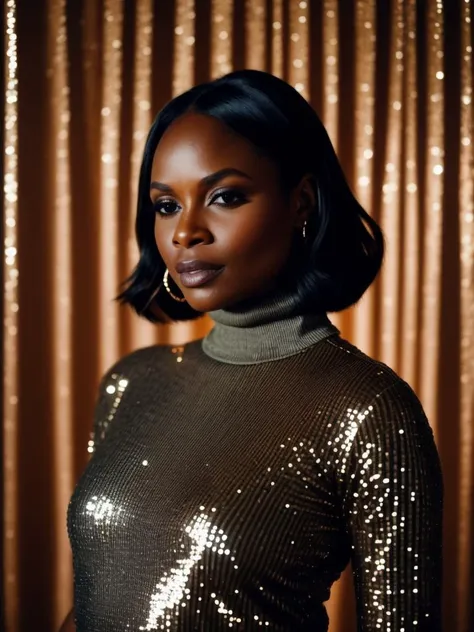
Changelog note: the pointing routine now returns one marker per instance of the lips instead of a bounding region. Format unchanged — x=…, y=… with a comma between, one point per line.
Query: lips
x=195, y=265
x=199, y=277
x=196, y=272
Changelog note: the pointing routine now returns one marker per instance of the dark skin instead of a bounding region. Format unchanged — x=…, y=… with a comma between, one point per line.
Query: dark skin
x=241, y=221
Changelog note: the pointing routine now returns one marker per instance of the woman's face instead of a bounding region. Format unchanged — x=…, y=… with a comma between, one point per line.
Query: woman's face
x=219, y=202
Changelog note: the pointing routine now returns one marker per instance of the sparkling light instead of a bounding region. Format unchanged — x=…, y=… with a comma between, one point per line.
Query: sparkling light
x=221, y=40
x=10, y=317
x=298, y=67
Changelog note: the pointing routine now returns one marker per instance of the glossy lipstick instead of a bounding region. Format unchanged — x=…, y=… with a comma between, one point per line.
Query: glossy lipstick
x=199, y=277
x=196, y=272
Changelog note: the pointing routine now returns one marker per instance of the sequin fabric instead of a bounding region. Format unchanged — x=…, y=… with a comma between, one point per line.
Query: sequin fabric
x=220, y=496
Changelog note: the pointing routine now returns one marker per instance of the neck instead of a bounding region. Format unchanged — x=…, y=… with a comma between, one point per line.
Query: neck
x=265, y=328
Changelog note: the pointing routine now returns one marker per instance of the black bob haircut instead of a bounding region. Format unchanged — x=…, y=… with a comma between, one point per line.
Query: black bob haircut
x=344, y=246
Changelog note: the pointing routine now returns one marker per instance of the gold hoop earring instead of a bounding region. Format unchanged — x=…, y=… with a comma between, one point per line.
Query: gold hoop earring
x=165, y=283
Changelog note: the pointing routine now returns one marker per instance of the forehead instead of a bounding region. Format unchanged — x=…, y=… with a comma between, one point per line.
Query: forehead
x=199, y=144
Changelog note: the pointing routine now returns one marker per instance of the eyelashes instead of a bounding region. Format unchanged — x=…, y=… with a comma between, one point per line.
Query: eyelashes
x=164, y=207
x=231, y=199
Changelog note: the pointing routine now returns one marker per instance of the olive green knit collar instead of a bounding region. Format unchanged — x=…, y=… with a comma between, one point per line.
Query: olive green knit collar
x=265, y=329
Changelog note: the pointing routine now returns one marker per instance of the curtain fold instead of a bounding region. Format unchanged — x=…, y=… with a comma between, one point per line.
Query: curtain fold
x=392, y=82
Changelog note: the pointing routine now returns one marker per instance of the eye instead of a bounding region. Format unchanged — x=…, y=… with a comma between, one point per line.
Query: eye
x=229, y=197
x=165, y=207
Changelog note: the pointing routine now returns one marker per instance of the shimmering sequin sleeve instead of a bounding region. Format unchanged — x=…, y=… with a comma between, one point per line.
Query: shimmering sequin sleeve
x=393, y=506
x=109, y=394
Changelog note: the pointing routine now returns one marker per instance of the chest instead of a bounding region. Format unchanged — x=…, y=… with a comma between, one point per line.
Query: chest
x=223, y=456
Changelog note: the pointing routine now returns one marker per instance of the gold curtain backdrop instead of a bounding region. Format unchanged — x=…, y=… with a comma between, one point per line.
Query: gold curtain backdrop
x=392, y=81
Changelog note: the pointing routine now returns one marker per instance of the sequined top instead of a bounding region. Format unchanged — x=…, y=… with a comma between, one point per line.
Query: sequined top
x=224, y=495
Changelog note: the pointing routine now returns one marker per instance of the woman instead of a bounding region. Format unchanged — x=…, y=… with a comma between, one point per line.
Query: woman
x=233, y=481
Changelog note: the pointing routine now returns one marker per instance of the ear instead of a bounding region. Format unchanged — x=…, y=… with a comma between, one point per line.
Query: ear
x=304, y=199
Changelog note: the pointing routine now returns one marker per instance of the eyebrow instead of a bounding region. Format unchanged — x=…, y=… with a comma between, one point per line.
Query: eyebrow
x=209, y=180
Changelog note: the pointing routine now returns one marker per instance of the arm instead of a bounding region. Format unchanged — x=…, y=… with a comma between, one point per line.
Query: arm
x=393, y=507
x=110, y=391
x=68, y=623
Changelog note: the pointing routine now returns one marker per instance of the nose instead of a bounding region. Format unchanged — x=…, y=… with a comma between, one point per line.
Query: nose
x=190, y=230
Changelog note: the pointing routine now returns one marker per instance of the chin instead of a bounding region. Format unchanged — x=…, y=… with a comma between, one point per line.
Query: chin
x=208, y=300
x=202, y=300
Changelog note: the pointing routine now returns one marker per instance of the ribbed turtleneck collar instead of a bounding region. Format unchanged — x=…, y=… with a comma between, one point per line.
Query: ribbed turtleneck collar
x=263, y=329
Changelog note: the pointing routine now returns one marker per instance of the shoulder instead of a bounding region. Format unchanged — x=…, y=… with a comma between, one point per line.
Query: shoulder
x=145, y=361
x=368, y=396
x=356, y=374
x=378, y=422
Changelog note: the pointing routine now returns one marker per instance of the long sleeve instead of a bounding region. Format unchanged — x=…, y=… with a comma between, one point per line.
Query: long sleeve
x=393, y=505
x=109, y=394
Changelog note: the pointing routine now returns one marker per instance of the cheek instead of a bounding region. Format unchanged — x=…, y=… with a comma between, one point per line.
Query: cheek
x=161, y=238
x=264, y=234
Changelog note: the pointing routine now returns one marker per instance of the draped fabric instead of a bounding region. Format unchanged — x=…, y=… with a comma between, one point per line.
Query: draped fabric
x=392, y=82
